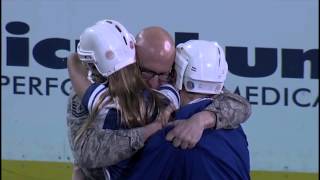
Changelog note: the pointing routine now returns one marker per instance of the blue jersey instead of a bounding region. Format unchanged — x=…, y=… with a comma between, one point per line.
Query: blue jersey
x=220, y=154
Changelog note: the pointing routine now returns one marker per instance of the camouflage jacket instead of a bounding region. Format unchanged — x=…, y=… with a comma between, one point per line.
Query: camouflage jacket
x=231, y=109
x=98, y=147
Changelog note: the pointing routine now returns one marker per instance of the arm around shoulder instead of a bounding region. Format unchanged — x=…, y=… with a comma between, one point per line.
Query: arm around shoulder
x=100, y=148
x=230, y=109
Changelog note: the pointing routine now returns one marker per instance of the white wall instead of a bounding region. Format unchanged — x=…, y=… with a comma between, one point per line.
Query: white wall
x=283, y=136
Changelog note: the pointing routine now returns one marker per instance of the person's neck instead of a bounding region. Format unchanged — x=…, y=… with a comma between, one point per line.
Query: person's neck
x=187, y=97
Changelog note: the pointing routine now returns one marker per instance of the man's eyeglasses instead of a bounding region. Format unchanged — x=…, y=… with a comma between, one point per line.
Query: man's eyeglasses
x=148, y=74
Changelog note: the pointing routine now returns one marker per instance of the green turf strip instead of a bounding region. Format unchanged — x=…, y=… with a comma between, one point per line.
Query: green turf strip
x=38, y=170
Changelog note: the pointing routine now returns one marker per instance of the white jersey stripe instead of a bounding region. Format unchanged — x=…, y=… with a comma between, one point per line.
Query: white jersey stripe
x=95, y=96
x=171, y=93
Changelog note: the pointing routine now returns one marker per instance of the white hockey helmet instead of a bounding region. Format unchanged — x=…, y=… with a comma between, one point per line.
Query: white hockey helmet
x=108, y=45
x=201, y=67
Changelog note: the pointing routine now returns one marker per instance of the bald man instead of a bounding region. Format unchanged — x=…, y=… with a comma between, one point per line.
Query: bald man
x=155, y=55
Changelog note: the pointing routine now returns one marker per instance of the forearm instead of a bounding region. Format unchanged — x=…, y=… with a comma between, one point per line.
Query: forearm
x=206, y=119
x=230, y=110
x=78, y=74
x=100, y=148
x=150, y=129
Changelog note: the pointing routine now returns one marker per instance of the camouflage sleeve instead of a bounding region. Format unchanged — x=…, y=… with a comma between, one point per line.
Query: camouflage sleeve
x=230, y=109
x=90, y=174
x=98, y=147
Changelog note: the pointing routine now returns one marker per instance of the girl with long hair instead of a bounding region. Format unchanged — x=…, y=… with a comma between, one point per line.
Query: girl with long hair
x=120, y=99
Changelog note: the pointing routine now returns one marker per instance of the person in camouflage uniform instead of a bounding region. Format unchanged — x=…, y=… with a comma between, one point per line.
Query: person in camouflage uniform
x=117, y=145
x=106, y=147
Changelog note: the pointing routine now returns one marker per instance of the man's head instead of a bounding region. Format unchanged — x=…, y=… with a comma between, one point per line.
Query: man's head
x=155, y=52
x=201, y=67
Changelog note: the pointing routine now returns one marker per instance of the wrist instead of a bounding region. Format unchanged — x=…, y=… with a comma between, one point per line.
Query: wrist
x=150, y=129
x=157, y=125
x=211, y=120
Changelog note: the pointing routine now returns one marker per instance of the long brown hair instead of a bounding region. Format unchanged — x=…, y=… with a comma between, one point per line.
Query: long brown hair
x=127, y=89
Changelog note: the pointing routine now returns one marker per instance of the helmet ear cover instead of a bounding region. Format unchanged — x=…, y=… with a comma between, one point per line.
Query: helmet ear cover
x=108, y=45
x=181, y=64
x=201, y=67
x=85, y=56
